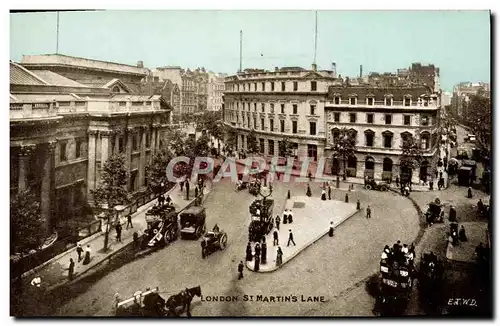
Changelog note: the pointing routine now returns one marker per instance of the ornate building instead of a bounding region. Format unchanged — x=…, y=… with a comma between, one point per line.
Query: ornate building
x=62, y=132
x=215, y=91
x=286, y=102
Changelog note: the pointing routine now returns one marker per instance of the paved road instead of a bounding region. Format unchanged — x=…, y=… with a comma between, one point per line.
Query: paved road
x=333, y=268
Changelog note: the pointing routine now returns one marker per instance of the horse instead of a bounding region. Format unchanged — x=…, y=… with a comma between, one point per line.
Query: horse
x=182, y=299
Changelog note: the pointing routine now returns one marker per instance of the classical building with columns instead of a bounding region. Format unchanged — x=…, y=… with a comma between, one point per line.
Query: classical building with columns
x=286, y=102
x=62, y=132
x=379, y=118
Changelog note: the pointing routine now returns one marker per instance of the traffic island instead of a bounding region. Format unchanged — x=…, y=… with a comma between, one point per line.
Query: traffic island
x=311, y=221
x=465, y=252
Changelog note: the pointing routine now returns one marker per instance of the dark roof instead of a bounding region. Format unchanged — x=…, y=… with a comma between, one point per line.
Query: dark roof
x=22, y=76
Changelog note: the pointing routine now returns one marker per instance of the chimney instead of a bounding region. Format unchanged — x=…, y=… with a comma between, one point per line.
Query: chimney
x=276, y=69
x=140, y=64
x=314, y=67
x=334, y=68
x=360, y=71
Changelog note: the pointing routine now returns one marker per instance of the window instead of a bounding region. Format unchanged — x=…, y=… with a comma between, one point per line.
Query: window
x=263, y=107
x=282, y=125
x=62, y=152
x=255, y=87
x=407, y=120
x=312, y=128
x=263, y=86
x=272, y=86
x=369, y=117
x=388, y=119
x=78, y=148
x=272, y=107
x=133, y=179
x=388, y=101
x=352, y=101
x=122, y=103
x=255, y=122
x=294, y=127
x=261, y=141
x=313, y=109
x=294, y=109
x=282, y=108
x=369, y=139
x=337, y=100
x=335, y=134
x=313, y=86
x=270, y=147
x=425, y=141
x=254, y=107
x=336, y=116
x=248, y=122
x=283, y=86
x=370, y=101
x=295, y=86
x=271, y=124
x=387, y=141
x=352, y=117
x=425, y=120
x=407, y=101
x=262, y=123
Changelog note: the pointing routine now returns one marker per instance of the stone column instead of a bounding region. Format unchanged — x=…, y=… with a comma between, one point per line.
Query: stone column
x=239, y=143
x=91, y=164
x=142, y=158
x=266, y=147
x=47, y=189
x=152, y=143
x=117, y=142
x=128, y=153
x=276, y=148
x=24, y=157
x=105, y=146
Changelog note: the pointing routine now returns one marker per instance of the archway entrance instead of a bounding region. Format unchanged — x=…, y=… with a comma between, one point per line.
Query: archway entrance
x=352, y=163
x=369, y=166
x=387, y=169
x=424, y=169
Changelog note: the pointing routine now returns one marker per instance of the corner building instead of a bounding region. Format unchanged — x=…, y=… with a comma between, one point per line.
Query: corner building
x=286, y=102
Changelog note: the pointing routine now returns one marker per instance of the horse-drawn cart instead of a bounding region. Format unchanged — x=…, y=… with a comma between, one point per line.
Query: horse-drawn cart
x=213, y=241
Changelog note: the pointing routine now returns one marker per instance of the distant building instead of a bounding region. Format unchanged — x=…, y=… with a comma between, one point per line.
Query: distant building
x=416, y=74
x=169, y=91
x=215, y=91
x=462, y=93
x=445, y=99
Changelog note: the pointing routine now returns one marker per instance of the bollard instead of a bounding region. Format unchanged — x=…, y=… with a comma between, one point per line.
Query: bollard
x=346, y=198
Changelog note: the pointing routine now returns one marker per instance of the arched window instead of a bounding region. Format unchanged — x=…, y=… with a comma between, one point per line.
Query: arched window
x=425, y=140
x=369, y=137
x=387, y=165
x=387, y=135
x=369, y=163
x=335, y=134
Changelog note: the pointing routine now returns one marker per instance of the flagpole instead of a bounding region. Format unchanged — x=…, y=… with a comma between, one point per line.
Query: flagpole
x=315, y=36
x=57, y=39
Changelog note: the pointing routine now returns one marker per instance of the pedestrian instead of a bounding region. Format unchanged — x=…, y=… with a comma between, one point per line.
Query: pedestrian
x=168, y=200
x=278, y=220
x=240, y=270
x=436, y=172
x=397, y=181
x=249, y=252
x=368, y=212
x=308, y=192
x=118, y=229
x=256, y=263
x=330, y=232
x=480, y=206
x=346, y=198
x=257, y=250
x=285, y=216
x=161, y=200
x=441, y=183
x=86, y=260
x=71, y=269
x=264, y=251
x=461, y=234
x=329, y=192
x=452, y=217
x=309, y=175
x=469, y=192
x=187, y=189
x=358, y=205
x=79, y=251
x=431, y=185
x=290, y=238
x=135, y=237
x=37, y=281
x=182, y=185
x=290, y=217
x=275, y=238
x=440, y=174
x=323, y=194
x=129, y=221
x=279, y=257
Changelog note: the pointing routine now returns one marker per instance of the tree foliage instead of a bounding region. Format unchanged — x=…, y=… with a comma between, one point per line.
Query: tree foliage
x=411, y=155
x=252, y=145
x=285, y=147
x=27, y=230
x=156, y=171
x=478, y=119
x=344, y=146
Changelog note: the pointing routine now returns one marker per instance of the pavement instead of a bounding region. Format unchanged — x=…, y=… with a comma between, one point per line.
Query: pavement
x=476, y=233
x=311, y=221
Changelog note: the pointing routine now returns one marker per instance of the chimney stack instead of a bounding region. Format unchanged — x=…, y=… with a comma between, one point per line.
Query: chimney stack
x=276, y=69
x=314, y=67
x=140, y=64
x=360, y=71
x=334, y=69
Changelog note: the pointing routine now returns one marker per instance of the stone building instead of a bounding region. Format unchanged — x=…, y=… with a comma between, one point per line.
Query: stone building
x=62, y=131
x=286, y=102
x=215, y=90
x=462, y=94
x=379, y=119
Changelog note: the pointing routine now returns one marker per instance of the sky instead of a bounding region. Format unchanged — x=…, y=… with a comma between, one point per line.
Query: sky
x=458, y=42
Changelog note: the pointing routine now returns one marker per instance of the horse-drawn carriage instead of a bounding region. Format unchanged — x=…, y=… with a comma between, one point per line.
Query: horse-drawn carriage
x=430, y=275
x=262, y=221
x=434, y=213
x=162, y=227
x=151, y=304
x=192, y=222
x=370, y=184
x=213, y=241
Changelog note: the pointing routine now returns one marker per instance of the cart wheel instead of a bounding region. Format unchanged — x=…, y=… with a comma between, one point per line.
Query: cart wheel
x=368, y=187
x=166, y=238
x=383, y=188
x=223, y=242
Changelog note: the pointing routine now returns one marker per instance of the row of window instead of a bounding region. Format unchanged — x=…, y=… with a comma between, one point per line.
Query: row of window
x=312, y=107
x=387, y=138
x=272, y=86
x=312, y=125
x=388, y=101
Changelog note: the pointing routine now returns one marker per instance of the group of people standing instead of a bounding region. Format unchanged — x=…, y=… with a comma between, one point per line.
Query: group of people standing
x=399, y=253
x=259, y=254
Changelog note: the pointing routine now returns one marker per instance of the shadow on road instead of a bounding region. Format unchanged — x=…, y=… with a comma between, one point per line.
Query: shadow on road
x=234, y=308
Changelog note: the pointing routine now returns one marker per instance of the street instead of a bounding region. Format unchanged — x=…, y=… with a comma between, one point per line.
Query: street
x=332, y=267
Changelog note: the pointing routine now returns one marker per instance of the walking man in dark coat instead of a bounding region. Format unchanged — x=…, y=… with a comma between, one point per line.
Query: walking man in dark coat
x=118, y=229
x=469, y=192
x=275, y=238
x=290, y=238
x=71, y=269
x=240, y=270
x=79, y=251
x=264, y=252
x=358, y=205
x=187, y=189
x=329, y=192
x=368, y=212
x=129, y=221
x=278, y=220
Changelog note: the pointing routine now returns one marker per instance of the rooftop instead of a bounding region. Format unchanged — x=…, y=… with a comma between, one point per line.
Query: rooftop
x=19, y=75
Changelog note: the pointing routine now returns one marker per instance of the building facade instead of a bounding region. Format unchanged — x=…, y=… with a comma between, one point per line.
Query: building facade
x=215, y=91
x=462, y=93
x=62, y=132
x=288, y=102
x=379, y=119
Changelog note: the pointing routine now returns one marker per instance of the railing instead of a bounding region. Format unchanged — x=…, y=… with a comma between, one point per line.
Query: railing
x=32, y=110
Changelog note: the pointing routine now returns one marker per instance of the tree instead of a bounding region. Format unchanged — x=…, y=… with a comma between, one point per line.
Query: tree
x=156, y=172
x=285, y=147
x=176, y=140
x=410, y=159
x=478, y=119
x=27, y=231
x=344, y=146
x=252, y=145
x=112, y=190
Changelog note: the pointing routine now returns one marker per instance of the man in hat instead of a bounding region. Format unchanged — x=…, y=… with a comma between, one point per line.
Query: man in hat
x=290, y=238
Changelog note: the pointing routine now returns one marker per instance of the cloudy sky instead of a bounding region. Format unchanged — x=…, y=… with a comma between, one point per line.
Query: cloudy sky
x=456, y=41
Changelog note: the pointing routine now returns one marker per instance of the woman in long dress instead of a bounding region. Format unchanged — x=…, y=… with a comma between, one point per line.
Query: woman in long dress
x=323, y=194
x=249, y=252
x=279, y=257
x=86, y=260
